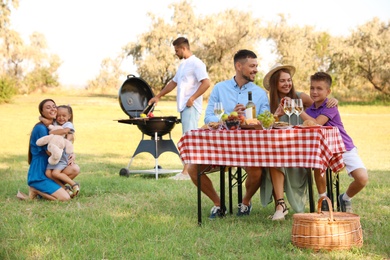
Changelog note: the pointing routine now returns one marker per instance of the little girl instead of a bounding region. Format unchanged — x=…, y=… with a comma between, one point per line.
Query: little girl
x=65, y=119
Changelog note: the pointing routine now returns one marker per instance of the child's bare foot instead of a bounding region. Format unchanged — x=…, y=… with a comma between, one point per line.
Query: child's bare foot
x=22, y=196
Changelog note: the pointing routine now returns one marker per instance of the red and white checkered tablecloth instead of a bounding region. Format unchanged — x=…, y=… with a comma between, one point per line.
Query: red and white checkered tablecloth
x=308, y=148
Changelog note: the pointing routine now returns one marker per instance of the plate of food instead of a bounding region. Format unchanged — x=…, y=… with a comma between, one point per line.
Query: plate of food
x=214, y=126
x=309, y=124
x=251, y=124
x=282, y=125
x=251, y=127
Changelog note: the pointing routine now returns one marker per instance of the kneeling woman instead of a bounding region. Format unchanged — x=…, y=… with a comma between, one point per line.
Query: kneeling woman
x=38, y=182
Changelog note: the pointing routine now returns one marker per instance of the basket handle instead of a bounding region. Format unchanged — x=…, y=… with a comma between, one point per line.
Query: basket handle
x=329, y=205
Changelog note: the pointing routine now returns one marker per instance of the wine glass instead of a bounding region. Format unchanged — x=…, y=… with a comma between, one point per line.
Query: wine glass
x=218, y=110
x=288, y=108
x=298, y=107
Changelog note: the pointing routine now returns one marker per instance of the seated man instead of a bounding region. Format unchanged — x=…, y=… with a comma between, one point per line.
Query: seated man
x=233, y=93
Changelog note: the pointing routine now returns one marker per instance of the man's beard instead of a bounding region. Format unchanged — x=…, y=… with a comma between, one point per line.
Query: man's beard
x=247, y=78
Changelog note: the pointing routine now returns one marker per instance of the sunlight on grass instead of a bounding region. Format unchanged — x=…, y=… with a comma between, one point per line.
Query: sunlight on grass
x=3, y=166
x=38, y=251
x=161, y=219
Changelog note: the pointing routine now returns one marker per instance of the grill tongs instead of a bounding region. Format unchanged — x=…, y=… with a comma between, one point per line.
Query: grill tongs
x=148, y=109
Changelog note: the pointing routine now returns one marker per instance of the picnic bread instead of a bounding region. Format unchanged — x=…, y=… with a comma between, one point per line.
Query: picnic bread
x=213, y=125
x=253, y=121
x=280, y=124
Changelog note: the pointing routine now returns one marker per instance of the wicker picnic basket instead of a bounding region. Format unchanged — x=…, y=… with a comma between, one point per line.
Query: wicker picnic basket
x=327, y=230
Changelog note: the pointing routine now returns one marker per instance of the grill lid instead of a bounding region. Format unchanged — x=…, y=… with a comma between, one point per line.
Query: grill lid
x=134, y=96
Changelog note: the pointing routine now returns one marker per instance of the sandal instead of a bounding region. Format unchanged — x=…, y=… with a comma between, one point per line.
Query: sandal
x=68, y=189
x=279, y=214
x=76, y=189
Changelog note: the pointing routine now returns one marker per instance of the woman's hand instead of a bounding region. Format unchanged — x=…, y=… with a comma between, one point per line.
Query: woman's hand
x=332, y=102
x=71, y=159
x=283, y=100
x=279, y=111
x=45, y=121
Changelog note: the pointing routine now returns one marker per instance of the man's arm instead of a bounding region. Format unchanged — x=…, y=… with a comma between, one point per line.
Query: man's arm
x=168, y=88
x=262, y=103
x=209, y=114
x=205, y=84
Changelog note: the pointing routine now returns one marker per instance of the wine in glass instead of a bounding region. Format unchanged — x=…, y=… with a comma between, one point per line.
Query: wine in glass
x=218, y=110
x=298, y=107
x=288, y=108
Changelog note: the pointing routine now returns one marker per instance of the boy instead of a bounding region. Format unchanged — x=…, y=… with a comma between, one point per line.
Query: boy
x=320, y=84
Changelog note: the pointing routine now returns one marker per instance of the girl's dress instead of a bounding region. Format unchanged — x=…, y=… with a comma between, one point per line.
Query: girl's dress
x=36, y=177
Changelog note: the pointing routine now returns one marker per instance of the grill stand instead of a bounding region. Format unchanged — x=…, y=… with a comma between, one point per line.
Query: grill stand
x=155, y=147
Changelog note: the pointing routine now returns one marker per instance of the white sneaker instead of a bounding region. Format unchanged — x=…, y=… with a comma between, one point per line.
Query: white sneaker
x=180, y=177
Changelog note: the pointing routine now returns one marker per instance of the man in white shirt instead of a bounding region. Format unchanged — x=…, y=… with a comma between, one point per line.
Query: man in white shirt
x=192, y=81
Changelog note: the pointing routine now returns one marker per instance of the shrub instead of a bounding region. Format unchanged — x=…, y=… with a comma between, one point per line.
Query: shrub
x=7, y=89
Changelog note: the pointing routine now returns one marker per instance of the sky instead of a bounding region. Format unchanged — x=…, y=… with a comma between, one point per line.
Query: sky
x=84, y=32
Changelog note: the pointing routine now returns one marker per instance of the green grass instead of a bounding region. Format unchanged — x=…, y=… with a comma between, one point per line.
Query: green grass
x=142, y=218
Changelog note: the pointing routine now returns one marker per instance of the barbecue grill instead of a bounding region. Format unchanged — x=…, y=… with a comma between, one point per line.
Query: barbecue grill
x=134, y=96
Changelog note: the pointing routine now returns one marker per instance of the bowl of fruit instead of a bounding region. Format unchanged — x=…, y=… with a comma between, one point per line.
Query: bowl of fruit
x=232, y=121
x=266, y=119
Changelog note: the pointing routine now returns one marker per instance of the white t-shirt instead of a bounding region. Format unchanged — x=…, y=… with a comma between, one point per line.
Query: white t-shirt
x=188, y=76
x=69, y=125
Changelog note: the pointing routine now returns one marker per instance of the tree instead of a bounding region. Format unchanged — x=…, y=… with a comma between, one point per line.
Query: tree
x=7, y=89
x=359, y=63
x=5, y=13
x=27, y=67
x=303, y=47
x=7, y=83
x=108, y=78
x=363, y=59
x=31, y=66
x=8, y=38
x=214, y=39
x=40, y=67
x=12, y=54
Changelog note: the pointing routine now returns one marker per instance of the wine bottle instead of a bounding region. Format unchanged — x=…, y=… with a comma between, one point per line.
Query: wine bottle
x=250, y=111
